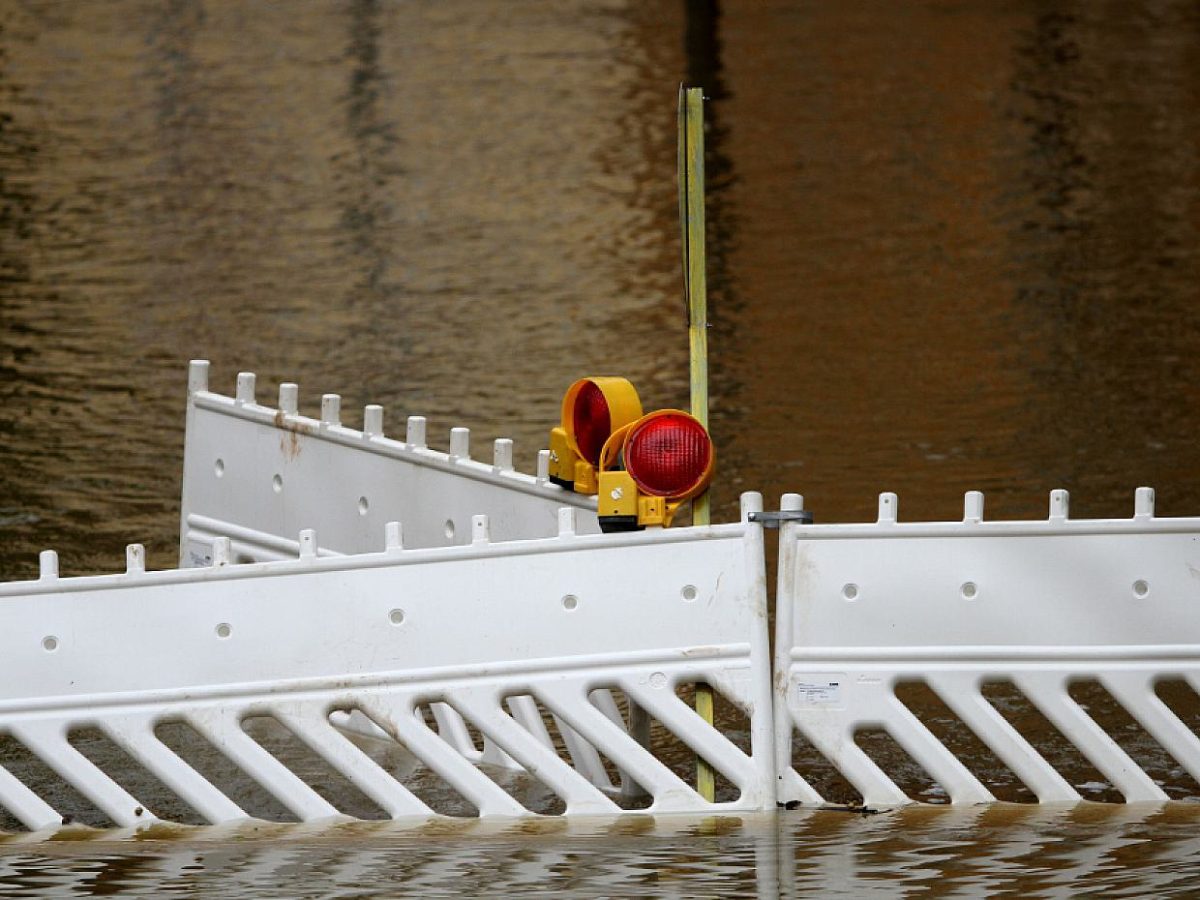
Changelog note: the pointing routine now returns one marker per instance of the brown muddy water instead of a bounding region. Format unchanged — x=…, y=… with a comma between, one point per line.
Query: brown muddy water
x=953, y=246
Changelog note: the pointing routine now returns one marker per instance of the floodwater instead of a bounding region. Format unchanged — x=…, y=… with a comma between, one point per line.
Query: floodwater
x=953, y=246
x=980, y=852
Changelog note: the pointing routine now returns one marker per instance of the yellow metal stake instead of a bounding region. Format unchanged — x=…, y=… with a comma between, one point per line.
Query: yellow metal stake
x=691, y=209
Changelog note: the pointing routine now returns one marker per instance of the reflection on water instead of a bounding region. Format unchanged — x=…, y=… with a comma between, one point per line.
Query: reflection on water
x=952, y=247
x=966, y=239
x=1108, y=257
x=997, y=851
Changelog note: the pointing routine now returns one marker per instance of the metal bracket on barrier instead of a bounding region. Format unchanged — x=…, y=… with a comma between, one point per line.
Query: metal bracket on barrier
x=775, y=518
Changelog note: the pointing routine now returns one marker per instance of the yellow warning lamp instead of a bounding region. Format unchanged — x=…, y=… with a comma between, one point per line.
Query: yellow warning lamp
x=592, y=409
x=667, y=458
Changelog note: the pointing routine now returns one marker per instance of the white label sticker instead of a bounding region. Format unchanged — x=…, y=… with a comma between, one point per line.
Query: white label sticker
x=818, y=692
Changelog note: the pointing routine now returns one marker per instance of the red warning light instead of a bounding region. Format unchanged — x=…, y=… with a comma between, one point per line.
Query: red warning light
x=669, y=454
x=591, y=420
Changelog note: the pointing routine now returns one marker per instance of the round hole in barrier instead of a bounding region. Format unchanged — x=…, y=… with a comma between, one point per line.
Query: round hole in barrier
x=50, y=643
x=277, y=483
x=363, y=506
x=449, y=529
x=1141, y=588
x=396, y=617
x=570, y=602
x=224, y=630
x=689, y=592
x=219, y=468
x=970, y=590
x=850, y=592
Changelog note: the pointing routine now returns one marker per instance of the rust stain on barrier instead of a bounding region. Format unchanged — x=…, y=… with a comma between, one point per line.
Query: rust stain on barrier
x=289, y=444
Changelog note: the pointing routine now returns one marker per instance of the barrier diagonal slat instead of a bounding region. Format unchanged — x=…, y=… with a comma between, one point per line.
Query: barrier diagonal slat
x=308, y=723
x=579, y=794
x=47, y=740
x=637, y=726
x=961, y=694
x=223, y=730
x=136, y=737
x=423, y=743
x=1048, y=693
x=453, y=730
x=524, y=710
x=876, y=787
x=1135, y=693
x=701, y=737
x=583, y=756
x=569, y=702
x=942, y=765
x=31, y=810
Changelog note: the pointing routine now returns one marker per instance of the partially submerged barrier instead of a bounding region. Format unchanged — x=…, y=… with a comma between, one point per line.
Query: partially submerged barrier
x=259, y=474
x=495, y=656
x=566, y=653
x=954, y=621
x=1085, y=626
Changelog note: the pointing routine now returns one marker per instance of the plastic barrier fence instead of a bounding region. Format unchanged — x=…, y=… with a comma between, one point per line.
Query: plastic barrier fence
x=258, y=475
x=986, y=655
x=306, y=689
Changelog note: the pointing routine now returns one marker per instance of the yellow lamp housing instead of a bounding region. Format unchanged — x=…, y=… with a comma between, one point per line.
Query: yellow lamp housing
x=592, y=409
x=562, y=459
x=666, y=458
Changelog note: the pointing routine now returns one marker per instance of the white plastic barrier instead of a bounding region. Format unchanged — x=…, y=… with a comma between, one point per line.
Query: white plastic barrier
x=258, y=475
x=1042, y=607
x=520, y=639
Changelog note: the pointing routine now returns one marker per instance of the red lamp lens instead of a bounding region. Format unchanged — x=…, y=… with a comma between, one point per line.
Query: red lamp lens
x=592, y=422
x=668, y=455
